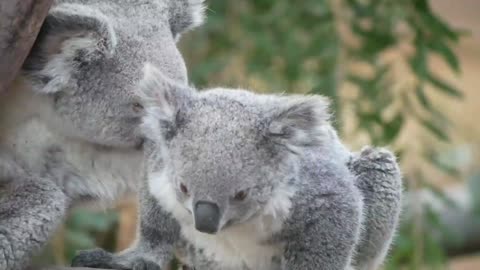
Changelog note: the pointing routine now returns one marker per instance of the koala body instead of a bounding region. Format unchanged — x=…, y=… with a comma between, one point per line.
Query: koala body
x=69, y=127
x=241, y=181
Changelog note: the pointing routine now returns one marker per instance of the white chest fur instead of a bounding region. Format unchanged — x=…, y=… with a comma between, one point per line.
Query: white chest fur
x=238, y=247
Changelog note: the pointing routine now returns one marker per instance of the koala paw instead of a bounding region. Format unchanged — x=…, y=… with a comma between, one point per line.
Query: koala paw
x=93, y=258
x=374, y=158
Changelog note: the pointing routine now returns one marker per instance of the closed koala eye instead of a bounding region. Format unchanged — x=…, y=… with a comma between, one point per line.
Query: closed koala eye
x=241, y=195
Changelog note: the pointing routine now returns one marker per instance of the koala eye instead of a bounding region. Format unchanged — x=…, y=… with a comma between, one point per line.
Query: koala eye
x=241, y=195
x=184, y=189
x=137, y=107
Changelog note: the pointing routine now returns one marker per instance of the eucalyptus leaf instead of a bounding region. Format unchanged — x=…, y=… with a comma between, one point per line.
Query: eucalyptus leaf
x=444, y=86
x=446, y=53
x=435, y=130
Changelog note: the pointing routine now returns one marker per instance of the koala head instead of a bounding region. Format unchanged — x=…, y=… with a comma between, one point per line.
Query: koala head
x=225, y=152
x=88, y=61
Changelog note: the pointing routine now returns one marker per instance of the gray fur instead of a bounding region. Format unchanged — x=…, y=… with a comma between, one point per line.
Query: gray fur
x=70, y=125
x=310, y=204
x=379, y=179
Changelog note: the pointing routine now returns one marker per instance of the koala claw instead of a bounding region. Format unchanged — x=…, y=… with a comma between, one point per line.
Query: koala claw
x=93, y=258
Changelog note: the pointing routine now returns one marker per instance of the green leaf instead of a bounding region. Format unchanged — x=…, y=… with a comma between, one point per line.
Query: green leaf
x=83, y=219
x=392, y=129
x=422, y=98
x=80, y=239
x=373, y=40
x=418, y=63
x=446, y=53
x=444, y=87
x=434, y=112
x=438, y=132
x=436, y=26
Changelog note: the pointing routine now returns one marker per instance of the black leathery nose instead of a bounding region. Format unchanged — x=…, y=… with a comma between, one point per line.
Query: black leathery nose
x=207, y=217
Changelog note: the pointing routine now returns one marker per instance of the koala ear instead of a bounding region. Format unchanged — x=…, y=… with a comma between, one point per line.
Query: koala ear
x=162, y=99
x=72, y=35
x=299, y=121
x=186, y=15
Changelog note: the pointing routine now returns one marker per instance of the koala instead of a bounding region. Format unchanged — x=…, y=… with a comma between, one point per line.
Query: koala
x=69, y=127
x=240, y=181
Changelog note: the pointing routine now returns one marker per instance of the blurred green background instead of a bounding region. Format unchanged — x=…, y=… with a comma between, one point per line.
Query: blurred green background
x=400, y=74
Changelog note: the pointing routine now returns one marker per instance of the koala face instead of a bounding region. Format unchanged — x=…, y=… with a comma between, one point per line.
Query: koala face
x=227, y=152
x=89, y=56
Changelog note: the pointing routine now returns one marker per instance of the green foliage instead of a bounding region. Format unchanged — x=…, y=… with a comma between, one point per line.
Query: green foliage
x=84, y=229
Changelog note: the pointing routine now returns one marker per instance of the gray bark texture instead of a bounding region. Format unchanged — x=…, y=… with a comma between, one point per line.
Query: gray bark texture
x=20, y=22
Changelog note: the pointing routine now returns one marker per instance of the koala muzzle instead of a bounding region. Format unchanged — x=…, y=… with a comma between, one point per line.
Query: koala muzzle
x=207, y=217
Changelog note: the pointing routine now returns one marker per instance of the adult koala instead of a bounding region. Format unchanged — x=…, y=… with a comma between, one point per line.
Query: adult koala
x=69, y=127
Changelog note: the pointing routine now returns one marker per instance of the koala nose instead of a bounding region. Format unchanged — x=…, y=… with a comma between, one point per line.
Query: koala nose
x=207, y=217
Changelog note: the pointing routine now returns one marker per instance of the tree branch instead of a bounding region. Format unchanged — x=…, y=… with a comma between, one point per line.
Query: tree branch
x=20, y=22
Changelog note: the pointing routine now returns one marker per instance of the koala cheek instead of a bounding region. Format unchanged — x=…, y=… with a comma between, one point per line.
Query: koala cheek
x=130, y=127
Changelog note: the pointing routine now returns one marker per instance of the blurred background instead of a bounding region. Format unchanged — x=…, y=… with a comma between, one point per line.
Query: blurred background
x=401, y=74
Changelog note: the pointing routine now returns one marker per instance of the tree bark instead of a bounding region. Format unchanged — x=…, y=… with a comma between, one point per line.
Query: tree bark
x=20, y=22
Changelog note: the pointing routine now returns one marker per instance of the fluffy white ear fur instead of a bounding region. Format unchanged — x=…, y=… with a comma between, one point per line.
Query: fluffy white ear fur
x=158, y=94
x=186, y=15
x=82, y=21
x=299, y=121
x=197, y=9
x=72, y=33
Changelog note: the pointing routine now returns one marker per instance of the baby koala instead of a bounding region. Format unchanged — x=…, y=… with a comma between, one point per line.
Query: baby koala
x=241, y=181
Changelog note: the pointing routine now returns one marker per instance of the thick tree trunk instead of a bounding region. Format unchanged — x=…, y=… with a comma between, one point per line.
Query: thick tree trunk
x=20, y=21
